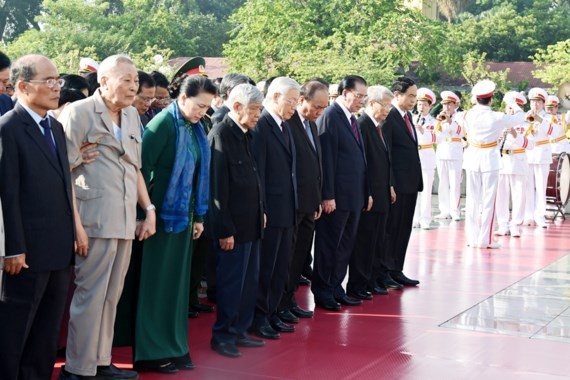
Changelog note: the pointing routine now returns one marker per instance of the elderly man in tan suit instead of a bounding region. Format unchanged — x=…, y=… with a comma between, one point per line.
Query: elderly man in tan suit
x=107, y=191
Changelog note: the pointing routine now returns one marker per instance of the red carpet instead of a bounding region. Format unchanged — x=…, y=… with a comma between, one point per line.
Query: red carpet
x=398, y=336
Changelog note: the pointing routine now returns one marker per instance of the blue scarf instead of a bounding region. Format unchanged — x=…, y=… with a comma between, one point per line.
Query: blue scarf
x=175, y=209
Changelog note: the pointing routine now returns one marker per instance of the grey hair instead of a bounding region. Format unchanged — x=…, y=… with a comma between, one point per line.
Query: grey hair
x=378, y=93
x=24, y=68
x=110, y=63
x=229, y=82
x=245, y=94
x=282, y=85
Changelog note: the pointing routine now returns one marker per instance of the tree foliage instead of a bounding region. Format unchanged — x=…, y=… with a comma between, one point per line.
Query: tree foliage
x=553, y=63
x=376, y=38
x=17, y=16
x=142, y=28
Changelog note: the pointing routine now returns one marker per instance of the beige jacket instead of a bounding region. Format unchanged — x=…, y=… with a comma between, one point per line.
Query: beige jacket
x=105, y=190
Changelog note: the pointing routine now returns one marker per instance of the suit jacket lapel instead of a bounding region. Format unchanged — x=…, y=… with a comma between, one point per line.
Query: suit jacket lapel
x=36, y=134
x=102, y=110
x=277, y=130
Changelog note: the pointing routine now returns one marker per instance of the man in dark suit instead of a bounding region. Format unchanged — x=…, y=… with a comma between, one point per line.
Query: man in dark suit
x=345, y=194
x=313, y=101
x=407, y=169
x=235, y=221
x=369, y=245
x=37, y=202
x=274, y=150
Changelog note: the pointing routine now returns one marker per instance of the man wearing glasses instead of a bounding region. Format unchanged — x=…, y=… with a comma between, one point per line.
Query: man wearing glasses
x=37, y=201
x=345, y=193
x=145, y=96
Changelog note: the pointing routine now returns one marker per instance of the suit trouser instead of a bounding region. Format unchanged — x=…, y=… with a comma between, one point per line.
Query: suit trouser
x=399, y=230
x=449, y=188
x=276, y=248
x=422, y=213
x=536, y=188
x=99, y=278
x=238, y=278
x=30, y=318
x=369, y=237
x=302, y=245
x=335, y=235
x=481, y=195
x=515, y=186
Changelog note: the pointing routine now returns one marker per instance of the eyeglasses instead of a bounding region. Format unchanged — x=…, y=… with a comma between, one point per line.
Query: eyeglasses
x=166, y=99
x=359, y=96
x=49, y=82
x=292, y=102
x=146, y=100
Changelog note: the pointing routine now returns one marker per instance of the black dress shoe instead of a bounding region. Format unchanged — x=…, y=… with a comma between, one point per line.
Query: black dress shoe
x=202, y=308
x=247, y=341
x=226, y=349
x=328, y=305
x=64, y=375
x=304, y=281
x=301, y=313
x=287, y=316
x=165, y=367
x=361, y=295
x=280, y=326
x=193, y=314
x=380, y=289
x=183, y=363
x=389, y=283
x=266, y=332
x=402, y=279
x=348, y=301
x=112, y=372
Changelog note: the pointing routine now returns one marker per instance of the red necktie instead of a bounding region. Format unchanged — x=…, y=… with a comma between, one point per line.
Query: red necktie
x=407, y=120
x=381, y=135
x=354, y=129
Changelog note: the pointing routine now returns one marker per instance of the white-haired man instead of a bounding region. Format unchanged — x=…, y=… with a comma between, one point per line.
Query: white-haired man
x=367, y=261
x=235, y=220
x=274, y=151
x=106, y=191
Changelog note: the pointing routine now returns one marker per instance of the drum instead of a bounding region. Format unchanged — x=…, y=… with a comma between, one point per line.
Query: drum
x=558, y=184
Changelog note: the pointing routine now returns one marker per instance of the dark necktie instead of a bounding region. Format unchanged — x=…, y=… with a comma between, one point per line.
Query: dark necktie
x=381, y=135
x=285, y=134
x=308, y=130
x=407, y=120
x=354, y=129
x=48, y=135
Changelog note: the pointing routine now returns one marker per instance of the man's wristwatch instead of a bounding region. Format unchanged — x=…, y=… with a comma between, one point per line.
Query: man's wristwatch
x=150, y=207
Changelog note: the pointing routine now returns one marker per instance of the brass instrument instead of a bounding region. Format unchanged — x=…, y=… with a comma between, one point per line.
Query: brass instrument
x=530, y=118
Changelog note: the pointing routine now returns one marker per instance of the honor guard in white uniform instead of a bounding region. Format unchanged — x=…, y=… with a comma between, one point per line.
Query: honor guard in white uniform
x=449, y=156
x=483, y=127
x=425, y=130
x=513, y=173
x=559, y=142
x=539, y=159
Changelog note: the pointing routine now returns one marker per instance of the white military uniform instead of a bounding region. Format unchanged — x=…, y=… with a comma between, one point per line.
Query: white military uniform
x=560, y=143
x=539, y=160
x=483, y=127
x=512, y=181
x=449, y=156
x=426, y=141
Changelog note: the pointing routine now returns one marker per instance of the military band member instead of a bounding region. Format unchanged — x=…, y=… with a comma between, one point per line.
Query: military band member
x=425, y=129
x=513, y=173
x=449, y=158
x=539, y=159
x=558, y=142
x=483, y=127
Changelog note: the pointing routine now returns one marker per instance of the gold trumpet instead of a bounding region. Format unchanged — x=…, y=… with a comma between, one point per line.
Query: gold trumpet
x=441, y=116
x=530, y=118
